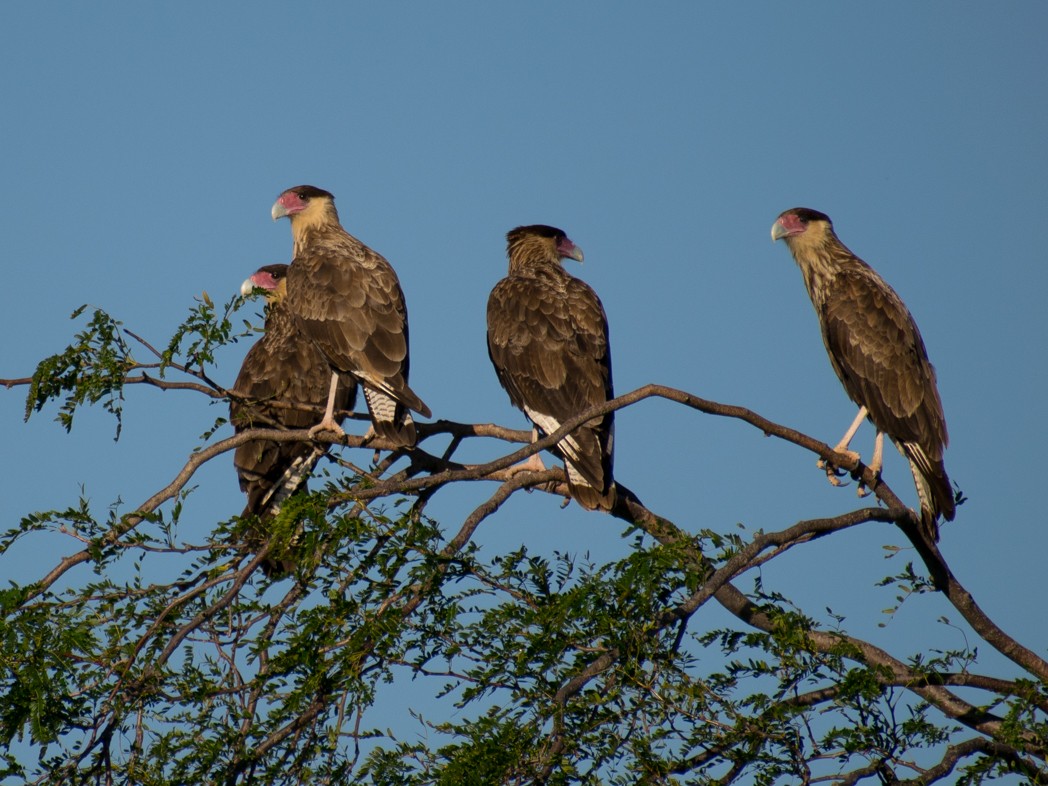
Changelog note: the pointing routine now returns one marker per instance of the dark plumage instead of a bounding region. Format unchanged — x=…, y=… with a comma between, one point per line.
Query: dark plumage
x=548, y=341
x=347, y=300
x=283, y=382
x=878, y=353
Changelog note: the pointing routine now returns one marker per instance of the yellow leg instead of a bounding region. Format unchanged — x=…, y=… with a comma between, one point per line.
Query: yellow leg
x=876, y=463
x=328, y=422
x=842, y=447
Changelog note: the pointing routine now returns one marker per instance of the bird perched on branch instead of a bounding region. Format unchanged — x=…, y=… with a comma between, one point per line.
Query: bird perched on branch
x=548, y=341
x=283, y=382
x=878, y=353
x=347, y=300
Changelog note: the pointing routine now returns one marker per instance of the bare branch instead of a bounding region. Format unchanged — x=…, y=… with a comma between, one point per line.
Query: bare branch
x=972, y=747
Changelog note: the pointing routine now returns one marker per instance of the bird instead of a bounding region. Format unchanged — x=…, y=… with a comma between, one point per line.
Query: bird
x=547, y=338
x=878, y=353
x=346, y=298
x=283, y=381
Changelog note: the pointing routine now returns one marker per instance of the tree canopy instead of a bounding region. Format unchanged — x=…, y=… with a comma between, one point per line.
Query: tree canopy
x=145, y=656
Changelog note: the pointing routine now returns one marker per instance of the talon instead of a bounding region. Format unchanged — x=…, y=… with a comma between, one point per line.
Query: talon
x=532, y=463
x=833, y=474
x=327, y=425
x=863, y=490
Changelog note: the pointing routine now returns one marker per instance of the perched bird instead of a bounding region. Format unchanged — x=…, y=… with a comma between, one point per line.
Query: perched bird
x=548, y=341
x=283, y=381
x=878, y=353
x=347, y=300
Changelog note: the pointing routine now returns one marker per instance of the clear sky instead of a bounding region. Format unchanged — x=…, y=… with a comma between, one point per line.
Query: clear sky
x=143, y=145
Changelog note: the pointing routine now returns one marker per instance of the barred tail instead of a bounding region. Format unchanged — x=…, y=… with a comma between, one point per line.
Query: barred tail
x=933, y=489
x=390, y=418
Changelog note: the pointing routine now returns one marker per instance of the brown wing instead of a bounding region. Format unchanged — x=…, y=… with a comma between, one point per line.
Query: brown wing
x=347, y=299
x=879, y=355
x=548, y=342
x=281, y=367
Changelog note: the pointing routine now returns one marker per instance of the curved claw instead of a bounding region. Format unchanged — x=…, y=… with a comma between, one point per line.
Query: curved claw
x=327, y=425
x=863, y=490
x=835, y=474
x=532, y=463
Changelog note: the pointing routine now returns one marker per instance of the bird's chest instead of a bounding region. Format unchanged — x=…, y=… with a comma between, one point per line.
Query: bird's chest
x=820, y=283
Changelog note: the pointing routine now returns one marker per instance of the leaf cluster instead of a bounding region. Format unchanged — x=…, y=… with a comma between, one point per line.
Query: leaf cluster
x=89, y=370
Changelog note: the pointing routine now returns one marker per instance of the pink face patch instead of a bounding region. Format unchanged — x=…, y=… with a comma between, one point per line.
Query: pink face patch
x=291, y=202
x=264, y=280
x=792, y=223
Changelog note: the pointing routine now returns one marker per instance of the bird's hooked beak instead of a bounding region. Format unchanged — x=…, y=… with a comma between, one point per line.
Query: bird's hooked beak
x=568, y=250
x=262, y=279
x=791, y=224
x=279, y=210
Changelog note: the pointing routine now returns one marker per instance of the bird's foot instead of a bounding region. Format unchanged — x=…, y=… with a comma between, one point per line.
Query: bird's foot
x=327, y=425
x=532, y=463
x=835, y=474
x=863, y=490
x=370, y=435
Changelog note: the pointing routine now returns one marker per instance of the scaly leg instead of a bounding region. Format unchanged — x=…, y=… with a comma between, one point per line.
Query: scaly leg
x=328, y=422
x=876, y=463
x=842, y=447
x=532, y=463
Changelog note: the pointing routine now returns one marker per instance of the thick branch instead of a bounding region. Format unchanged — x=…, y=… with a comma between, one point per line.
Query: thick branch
x=955, y=753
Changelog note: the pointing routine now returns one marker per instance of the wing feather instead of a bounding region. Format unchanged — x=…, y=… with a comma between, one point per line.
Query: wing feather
x=283, y=367
x=548, y=342
x=880, y=358
x=348, y=300
x=877, y=352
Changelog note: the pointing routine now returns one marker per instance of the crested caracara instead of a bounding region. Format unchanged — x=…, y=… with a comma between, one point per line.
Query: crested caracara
x=347, y=300
x=878, y=353
x=548, y=341
x=283, y=382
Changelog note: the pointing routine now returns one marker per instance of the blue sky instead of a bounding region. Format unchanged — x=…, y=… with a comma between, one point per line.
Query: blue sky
x=144, y=145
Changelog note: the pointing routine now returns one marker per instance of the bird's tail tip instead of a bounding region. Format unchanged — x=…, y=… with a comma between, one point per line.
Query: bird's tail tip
x=592, y=498
x=933, y=489
x=402, y=433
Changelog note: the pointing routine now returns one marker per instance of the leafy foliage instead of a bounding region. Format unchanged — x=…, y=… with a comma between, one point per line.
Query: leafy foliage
x=204, y=331
x=89, y=370
x=194, y=667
